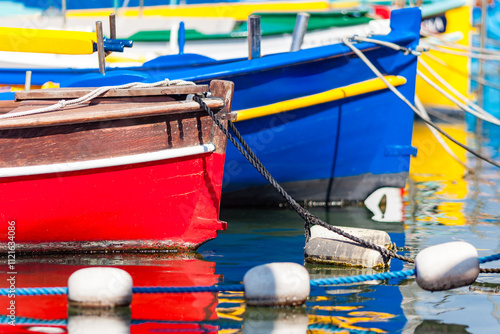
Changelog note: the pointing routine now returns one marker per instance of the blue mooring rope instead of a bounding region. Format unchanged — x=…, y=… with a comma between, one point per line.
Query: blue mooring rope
x=362, y=278
x=489, y=258
x=235, y=287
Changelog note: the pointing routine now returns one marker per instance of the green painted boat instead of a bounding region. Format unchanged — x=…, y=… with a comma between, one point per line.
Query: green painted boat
x=272, y=23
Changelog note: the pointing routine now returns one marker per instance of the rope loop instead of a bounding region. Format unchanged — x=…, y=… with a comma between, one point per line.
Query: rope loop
x=94, y=94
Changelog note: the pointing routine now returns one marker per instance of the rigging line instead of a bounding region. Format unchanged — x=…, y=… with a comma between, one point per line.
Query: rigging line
x=459, y=71
x=405, y=100
x=462, y=53
x=436, y=134
x=481, y=113
x=457, y=46
x=465, y=74
x=309, y=218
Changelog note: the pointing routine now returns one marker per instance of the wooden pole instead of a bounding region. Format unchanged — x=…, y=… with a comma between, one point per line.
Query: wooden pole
x=254, y=36
x=100, y=47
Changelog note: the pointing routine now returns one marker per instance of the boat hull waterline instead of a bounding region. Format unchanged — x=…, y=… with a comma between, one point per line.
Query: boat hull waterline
x=136, y=183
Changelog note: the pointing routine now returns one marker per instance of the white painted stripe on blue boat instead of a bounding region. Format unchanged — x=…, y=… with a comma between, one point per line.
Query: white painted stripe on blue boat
x=108, y=162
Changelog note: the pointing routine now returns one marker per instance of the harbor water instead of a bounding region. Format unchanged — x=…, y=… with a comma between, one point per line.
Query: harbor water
x=442, y=202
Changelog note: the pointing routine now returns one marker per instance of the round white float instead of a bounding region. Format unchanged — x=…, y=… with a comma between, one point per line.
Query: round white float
x=447, y=266
x=277, y=284
x=100, y=287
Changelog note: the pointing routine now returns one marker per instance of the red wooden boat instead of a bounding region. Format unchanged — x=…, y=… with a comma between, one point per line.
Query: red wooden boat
x=135, y=169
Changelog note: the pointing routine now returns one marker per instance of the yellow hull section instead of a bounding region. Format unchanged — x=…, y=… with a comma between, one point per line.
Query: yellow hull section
x=238, y=11
x=456, y=73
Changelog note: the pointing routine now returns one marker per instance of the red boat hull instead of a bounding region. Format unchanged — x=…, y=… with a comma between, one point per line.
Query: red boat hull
x=135, y=169
x=164, y=204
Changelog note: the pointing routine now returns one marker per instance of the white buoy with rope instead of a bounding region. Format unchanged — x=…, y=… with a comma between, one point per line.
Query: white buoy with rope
x=447, y=266
x=277, y=284
x=100, y=287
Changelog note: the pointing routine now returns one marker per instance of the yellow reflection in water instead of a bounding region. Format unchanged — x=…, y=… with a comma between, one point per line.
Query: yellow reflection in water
x=437, y=179
x=350, y=321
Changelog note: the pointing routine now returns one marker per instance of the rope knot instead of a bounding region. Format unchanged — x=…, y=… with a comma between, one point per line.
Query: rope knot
x=61, y=104
x=405, y=50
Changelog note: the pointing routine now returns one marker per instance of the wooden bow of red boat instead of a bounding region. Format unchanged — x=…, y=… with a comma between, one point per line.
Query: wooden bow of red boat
x=135, y=169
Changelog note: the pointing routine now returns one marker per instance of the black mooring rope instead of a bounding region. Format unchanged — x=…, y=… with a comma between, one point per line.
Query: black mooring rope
x=489, y=270
x=309, y=218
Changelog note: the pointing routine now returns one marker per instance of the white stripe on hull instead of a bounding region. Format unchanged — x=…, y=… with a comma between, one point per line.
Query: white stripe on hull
x=108, y=162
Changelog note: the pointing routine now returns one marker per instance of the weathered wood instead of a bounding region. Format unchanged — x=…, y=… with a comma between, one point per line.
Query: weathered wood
x=109, y=100
x=7, y=106
x=73, y=93
x=99, y=140
x=111, y=127
x=99, y=113
x=222, y=89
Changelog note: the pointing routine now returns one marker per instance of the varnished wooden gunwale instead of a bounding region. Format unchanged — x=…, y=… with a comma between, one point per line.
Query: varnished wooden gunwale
x=111, y=130
x=100, y=140
x=101, y=112
x=73, y=93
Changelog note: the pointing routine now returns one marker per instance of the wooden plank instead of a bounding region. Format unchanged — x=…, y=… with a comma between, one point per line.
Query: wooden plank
x=107, y=100
x=96, y=113
x=73, y=93
x=224, y=90
x=7, y=106
x=99, y=140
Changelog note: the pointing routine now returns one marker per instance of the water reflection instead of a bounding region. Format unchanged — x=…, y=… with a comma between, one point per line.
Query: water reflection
x=437, y=327
x=446, y=202
x=148, y=311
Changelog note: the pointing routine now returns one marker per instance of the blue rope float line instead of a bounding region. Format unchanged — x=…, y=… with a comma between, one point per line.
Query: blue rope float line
x=362, y=278
x=63, y=322
x=213, y=288
x=235, y=287
x=489, y=258
x=34, y=291
x=31, y=321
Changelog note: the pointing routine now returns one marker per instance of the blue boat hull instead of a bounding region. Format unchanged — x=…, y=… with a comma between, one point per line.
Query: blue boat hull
x=340, y=150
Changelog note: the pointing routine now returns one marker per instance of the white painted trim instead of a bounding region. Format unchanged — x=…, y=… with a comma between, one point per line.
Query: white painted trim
x=108, y=162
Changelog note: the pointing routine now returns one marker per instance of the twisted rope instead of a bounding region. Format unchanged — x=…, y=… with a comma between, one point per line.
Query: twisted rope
x=94, y=94
x=34, y=291
x=372, y=67
x=185, y=289
x=309, y=218
x=362, y=278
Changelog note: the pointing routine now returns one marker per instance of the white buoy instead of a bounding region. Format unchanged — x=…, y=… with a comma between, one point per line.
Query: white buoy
x=325, y=246
x=277, y=284
x=447, y=266
x=102, y=287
